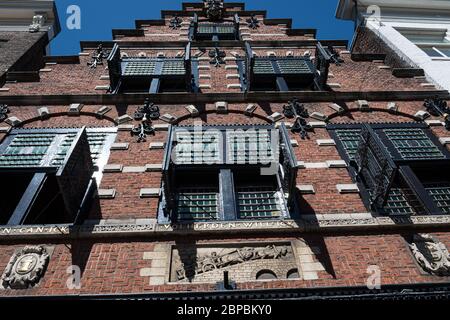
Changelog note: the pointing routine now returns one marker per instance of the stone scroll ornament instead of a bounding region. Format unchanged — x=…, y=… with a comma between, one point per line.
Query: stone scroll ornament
x=214, y=9
x=25, y=268
x=431, y=254
x=215, y=261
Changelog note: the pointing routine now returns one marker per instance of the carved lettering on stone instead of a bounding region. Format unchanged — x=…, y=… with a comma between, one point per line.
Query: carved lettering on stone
x=26, y=267
x=431, y=254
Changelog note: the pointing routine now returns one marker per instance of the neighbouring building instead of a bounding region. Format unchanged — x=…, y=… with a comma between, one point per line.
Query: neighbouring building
x=417, y=31
x=26, y=28
x=219, y=153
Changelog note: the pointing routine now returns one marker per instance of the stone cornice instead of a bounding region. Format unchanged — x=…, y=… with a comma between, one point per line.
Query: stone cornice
x=326, y=224
x=91, y=45
x=175, y=98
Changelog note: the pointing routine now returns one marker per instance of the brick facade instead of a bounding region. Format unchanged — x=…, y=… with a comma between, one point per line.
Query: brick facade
x=335, y=250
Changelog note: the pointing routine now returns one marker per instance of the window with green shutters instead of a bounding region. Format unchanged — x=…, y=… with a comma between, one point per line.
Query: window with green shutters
x=416, y=157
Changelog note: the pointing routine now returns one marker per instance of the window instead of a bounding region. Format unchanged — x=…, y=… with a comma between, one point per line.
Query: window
x=435, y=43
x=276, y=73
x=228, y=173
x=214, y=31
x=48, y=173
x=151, y=74
x=402, y=169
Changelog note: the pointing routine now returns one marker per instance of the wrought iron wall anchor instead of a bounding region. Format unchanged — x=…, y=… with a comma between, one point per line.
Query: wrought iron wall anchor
x=335, y=56
x=294, y=109
x=97, y=58
x=143, y=130
x=175, y=23
x=253, y=22
x=4, y=110
x=438, y=107
x=217, y=56
x=148, y=110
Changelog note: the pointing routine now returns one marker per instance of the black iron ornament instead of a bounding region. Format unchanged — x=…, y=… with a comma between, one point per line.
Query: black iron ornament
x=4, y=110
x=335, y=57
x=253, y=22
x=214, y=9
x=175, y=22
x=217, y=56
x=98, y=57
x=148, y=110
x=294, y=109
x=438, y=107
x=143, y=130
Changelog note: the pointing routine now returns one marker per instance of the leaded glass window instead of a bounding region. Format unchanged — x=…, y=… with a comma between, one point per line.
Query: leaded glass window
x=50, y=149
x=349, y=139
x=258, y=202
x=440, y=193
x=197, y=204
x=294, y=66
x=401, y=201
x=197, y=147
x=252, y=146
x=27, y=150
x=413, y=144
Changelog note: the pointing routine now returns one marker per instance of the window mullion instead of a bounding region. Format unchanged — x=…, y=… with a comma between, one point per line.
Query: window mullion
x=227, y=192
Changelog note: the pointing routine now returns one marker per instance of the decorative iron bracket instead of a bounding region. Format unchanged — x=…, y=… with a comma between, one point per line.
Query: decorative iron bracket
x=294, y=109
x=148, y=110
x=143, y=130
x=217, y=56
x=4, y=110
x=335, y=57
x=253, y=22
x=175, y=23
x=438, y=107
x=97, y=58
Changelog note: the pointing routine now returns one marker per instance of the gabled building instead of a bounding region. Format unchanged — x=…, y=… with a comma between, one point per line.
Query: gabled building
x=217, y=153
x=26, y=28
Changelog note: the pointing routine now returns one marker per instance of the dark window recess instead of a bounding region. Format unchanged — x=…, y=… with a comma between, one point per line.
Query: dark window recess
x=49, y=173
x=228, y=173
x=151, y=75
x=402, y=169
x=276, y=73
x=214, y=31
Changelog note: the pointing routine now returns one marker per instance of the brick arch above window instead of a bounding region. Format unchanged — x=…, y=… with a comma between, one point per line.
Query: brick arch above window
x=382, y=115
x=232, y=116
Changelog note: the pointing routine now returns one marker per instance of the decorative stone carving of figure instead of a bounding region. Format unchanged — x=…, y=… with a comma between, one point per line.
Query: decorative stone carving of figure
x=431, y=254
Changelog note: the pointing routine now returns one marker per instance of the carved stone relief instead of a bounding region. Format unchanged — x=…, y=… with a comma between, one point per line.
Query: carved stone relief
x=431, y=254
x=26, y=267
x=206, y=263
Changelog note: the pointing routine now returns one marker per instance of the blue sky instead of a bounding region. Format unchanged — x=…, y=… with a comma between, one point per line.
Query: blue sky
x=99, y=17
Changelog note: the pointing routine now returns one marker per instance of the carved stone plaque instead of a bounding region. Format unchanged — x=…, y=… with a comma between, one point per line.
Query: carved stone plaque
x=206, y=263
x=26, y=267
x=431, y=254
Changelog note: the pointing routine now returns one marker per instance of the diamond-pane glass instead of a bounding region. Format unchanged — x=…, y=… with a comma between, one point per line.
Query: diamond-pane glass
x=413, y=144
x=258, y=202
